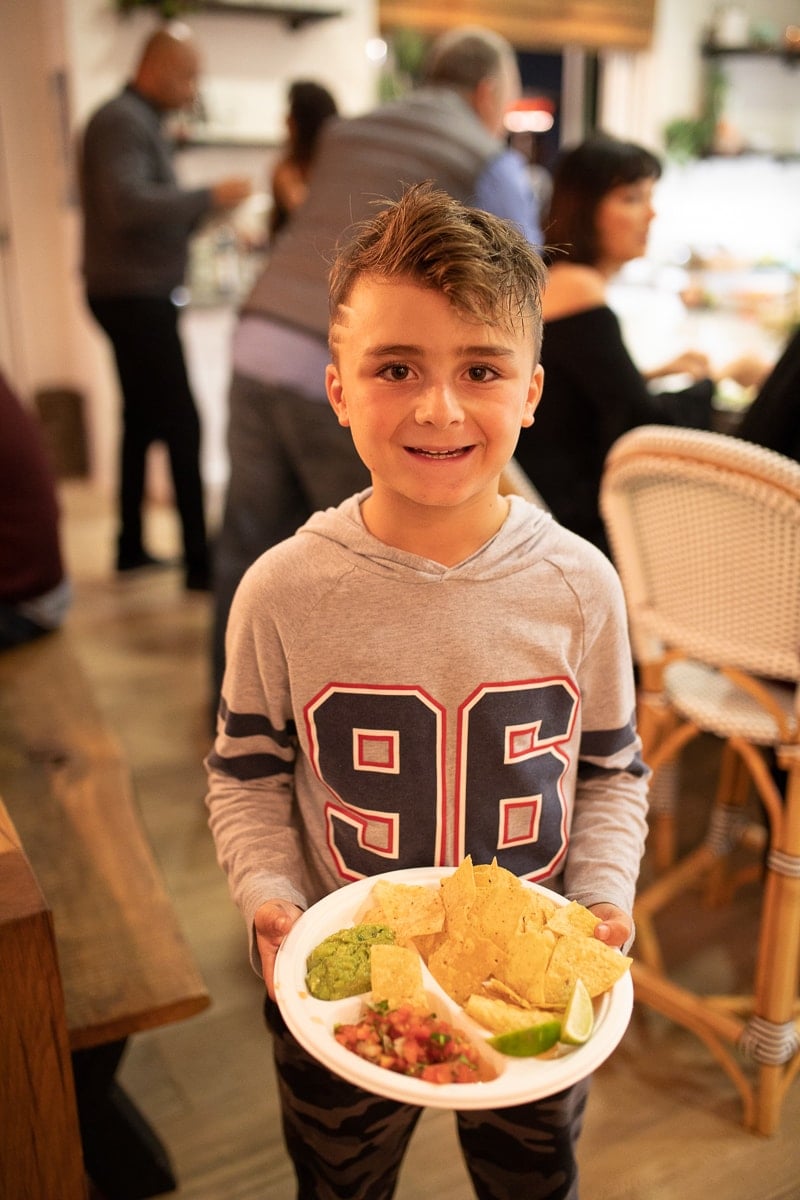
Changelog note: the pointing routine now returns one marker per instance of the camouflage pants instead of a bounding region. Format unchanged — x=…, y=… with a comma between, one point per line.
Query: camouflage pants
x=345, y=1142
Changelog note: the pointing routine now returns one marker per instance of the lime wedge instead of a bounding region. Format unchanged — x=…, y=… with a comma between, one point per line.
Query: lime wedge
x=524, y=1043
x=578, y=1022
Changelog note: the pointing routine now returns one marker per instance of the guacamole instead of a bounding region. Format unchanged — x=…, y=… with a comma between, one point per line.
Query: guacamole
x=339, y=966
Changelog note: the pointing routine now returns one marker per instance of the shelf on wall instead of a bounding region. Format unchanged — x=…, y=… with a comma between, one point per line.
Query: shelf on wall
x=776, y=53
x=295, y=16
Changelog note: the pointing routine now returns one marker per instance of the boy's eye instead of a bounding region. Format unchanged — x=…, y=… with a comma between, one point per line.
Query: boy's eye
x=396, y=371
x=480, y=374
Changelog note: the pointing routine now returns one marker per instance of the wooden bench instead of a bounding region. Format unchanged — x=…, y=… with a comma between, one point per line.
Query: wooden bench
x=40, y=1148
x=123, y=962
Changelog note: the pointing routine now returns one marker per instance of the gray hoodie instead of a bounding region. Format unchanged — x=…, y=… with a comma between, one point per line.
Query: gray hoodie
x=383, y=711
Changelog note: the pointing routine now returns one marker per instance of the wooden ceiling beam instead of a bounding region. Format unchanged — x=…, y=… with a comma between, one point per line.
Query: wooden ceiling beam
x=532, y=24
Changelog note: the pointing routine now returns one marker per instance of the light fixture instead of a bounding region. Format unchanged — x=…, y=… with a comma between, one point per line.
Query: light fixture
x=376, y=50
x=531, y=114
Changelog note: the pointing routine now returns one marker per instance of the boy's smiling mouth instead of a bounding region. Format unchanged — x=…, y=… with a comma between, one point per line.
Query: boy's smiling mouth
x=455, y=452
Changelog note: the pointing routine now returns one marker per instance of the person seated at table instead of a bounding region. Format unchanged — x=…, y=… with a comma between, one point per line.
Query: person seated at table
x=35, y=593
x=599, y=218
x=773, y=419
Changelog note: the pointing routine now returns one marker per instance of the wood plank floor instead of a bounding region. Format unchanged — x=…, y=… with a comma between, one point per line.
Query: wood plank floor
x=663, y=1120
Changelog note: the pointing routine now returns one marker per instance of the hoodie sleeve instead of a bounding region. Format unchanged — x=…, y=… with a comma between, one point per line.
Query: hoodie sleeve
x=250, y=769
x=609, y=823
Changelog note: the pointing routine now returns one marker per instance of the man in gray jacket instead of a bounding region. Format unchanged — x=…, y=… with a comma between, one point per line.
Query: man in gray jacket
x=288, y=455
x=137, y=224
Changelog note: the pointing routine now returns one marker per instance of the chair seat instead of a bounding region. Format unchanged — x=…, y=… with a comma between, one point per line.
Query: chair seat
x=710, y=700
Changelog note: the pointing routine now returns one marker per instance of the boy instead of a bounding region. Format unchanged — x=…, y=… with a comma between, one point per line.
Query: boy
x=481, y=641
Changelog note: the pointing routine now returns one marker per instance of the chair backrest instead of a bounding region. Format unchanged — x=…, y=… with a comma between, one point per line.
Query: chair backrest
x=705, y=533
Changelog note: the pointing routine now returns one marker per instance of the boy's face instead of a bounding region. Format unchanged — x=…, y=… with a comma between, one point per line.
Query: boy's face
x=434, y=401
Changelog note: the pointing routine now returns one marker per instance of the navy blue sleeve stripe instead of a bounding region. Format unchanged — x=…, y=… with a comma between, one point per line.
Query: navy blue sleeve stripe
x=636, y=768
x=242, y=725
x=250, y=766
x=605, y=743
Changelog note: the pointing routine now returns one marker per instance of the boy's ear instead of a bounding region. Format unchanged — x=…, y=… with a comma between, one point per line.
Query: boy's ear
x=534, y=396
x=333, y=386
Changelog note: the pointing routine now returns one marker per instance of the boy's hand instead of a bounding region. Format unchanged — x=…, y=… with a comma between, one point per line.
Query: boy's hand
x=273, y=921
x=615, y=925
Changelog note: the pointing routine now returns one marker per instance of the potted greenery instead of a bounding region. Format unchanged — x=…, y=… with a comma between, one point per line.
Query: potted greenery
x=687, y=138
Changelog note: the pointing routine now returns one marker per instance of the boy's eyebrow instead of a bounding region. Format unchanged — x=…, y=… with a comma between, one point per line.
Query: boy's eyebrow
x=400, y=349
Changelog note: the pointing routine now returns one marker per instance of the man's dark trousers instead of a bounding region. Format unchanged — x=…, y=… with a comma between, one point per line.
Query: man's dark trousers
x=158, y=405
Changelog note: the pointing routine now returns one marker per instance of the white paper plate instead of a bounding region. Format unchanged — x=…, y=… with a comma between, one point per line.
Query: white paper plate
x=517, y=1081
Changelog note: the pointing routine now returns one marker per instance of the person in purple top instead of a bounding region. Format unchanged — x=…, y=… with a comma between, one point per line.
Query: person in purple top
x=35, y=593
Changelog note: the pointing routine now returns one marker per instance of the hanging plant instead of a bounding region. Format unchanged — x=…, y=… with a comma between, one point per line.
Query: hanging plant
x=166, y=8
x=407, y=49
x=687, y=138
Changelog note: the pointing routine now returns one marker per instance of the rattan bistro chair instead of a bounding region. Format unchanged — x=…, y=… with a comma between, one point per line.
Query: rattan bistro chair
x=705, y=532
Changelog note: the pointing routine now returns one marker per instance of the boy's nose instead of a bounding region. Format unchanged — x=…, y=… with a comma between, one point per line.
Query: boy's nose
x=439, y=406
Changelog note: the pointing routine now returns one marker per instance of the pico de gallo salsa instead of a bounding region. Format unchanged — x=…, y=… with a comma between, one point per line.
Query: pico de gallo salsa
x=411, y=1043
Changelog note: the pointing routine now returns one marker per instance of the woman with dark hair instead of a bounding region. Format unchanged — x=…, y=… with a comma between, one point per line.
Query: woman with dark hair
x=310, y=106
x=599, y=218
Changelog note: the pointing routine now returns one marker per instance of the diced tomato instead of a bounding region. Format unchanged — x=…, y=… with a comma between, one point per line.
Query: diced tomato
x=412, y=1043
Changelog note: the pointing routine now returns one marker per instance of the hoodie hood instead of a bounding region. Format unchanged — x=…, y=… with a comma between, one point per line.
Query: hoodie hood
x=523, y=535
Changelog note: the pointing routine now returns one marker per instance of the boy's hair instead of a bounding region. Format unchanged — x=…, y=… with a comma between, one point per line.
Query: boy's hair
x=582, y=177
x=483, y=265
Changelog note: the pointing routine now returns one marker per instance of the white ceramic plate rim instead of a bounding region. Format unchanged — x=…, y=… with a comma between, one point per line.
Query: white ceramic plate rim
x=518, y=1081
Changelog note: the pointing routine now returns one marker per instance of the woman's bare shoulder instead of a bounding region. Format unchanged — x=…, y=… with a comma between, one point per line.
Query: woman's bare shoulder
x=572, y=288
x=288, y=183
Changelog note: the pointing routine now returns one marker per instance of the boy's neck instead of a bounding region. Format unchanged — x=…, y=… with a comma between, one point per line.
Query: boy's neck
x=444, y=535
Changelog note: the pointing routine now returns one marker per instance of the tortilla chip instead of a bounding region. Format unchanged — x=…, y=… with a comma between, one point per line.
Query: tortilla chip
x=488, y=940
x=498, y=989
x=497, y=913
x=460, y=965
x=493, y=875
x=501, y=1017
x=396, y=977
x=577, y=956
x=526, y=965
x=373, y=914
x=458, y=894
x=537, y=911
x=426, y=943
x=573, y=918
x=410, y=910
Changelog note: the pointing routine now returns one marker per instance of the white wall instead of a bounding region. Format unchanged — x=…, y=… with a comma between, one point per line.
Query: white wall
x=34, y=182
